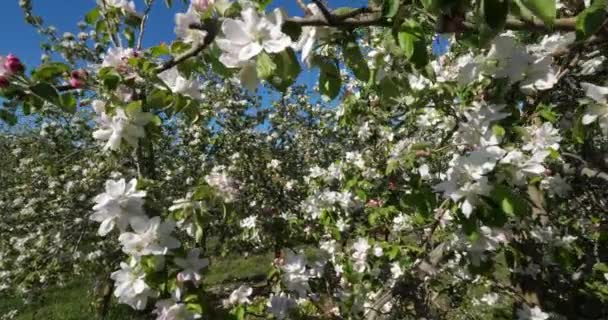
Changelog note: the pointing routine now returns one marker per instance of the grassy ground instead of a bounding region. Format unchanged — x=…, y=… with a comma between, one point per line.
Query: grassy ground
x=73, y=302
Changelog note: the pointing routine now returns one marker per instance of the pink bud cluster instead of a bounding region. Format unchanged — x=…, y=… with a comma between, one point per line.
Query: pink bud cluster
x=202, y=5
x=78, y=78
x=9, y=65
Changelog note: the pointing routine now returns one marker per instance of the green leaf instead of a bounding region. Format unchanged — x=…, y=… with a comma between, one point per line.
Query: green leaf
x=133, y=108
x=355, y=61
x=410, y=38
x=68, y=102
x=406, y=41
x=591, y=19
x=49, y=71
x=265, y=66
x=330, y=81
x=109, y=77
x=168, y=3
x=8, y=117
x=509, y=202
x=578, y=131
x=92, y=16
x=495, y=13
x=543, y=9
x=46, y=92
x=287, y=70
x=390, y=8
x=160, y=50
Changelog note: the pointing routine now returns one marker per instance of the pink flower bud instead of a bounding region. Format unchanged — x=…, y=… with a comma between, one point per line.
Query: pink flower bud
x=201, y=5
x=78, y=78
x=4, y=82
x=374, y=203
x=392, y=185
x=12, y=64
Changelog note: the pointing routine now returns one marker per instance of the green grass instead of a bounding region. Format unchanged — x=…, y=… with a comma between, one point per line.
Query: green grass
x=73, y=302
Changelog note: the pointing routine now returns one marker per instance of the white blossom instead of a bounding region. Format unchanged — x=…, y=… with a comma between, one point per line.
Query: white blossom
x=240, y=295
x=169, y=309
x=191, y=266
x=183, y=31
x=124, y=5
x=120, y=205
x=120, y=126
x=244, y=39
x=151, y=237
x=131, y=287
x=179, y=84
x=280, y=305
x=596, y=111
x=527, y=313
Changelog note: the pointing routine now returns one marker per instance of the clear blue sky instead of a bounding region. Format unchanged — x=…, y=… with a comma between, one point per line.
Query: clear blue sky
x=21, y=39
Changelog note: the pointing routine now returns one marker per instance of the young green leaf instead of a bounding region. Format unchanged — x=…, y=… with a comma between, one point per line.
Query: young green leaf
x=543, y=9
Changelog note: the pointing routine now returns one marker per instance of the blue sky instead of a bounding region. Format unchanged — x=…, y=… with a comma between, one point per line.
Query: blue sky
x=21, y=39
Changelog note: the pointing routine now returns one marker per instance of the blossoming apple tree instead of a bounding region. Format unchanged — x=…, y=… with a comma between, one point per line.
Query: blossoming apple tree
x=455, y=184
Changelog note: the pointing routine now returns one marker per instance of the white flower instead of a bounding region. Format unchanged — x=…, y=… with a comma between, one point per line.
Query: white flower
x=191, y=266
x=244, y=39
x=118, y=58
x=118, y=206
x=592, y=66
x=121, y=126
x=131, y=287
x=329, y=246
x=551, y=44
x=556, y=185
x=489, y=240
x=469, y=69
x=274, y=164
x=490, y=298
x=364, y=131
x=279, y=305
x=596, y=111
x=124, y=5
x=524, y=165
x=540, y=76
x=249, y=222
x=151, y=237
x=360, y=248
x=378, y=252
x=219, y=179
x=178, y=84
x=542, y=138
x=183, y=21
x=527, y=313
x=418, y=82
x=295, y=273
x=402, y=222
x=396, y=270
x=510, y=60
x=240, y=295
x=310, y=35
x=169, y=309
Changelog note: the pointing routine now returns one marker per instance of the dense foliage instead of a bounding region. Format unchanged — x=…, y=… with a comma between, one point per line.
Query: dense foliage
x=450, y=162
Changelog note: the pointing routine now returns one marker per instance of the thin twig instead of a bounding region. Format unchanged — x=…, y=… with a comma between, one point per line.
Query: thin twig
x=211, y=29
x=328, y=15
x=142, y=25
x=117, y=42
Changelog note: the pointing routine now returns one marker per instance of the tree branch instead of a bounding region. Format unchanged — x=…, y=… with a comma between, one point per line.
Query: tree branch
x=211, y=28
x=328, y=15
x=142, y=25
